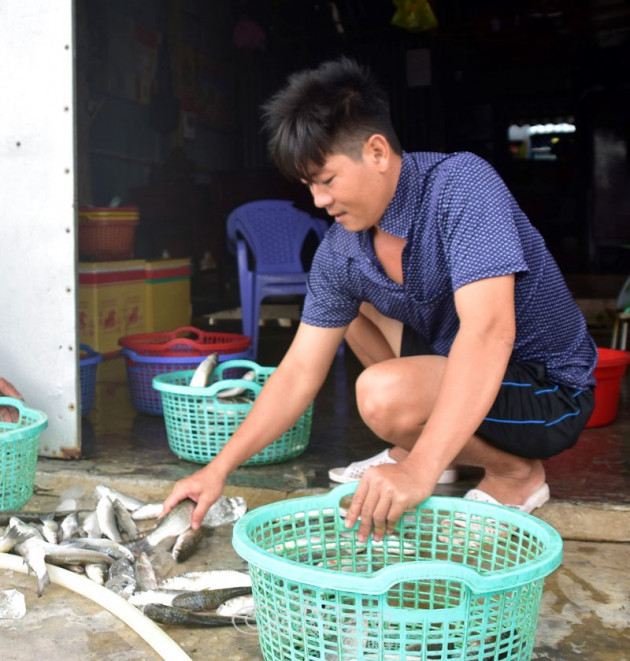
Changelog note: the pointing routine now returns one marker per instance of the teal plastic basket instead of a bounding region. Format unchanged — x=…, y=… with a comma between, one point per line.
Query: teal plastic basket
x=198, y=424
x=457, y=580
x=19, y=445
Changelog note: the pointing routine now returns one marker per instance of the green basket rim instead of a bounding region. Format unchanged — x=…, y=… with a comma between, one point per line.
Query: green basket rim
x=380, y=581
x=289, y=445
x=162, y=382
x=15, y=431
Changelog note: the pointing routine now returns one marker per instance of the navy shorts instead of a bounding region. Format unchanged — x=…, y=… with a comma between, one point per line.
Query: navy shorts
x=531, y=417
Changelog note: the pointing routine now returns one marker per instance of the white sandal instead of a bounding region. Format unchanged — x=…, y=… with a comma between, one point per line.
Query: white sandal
x=355, y=470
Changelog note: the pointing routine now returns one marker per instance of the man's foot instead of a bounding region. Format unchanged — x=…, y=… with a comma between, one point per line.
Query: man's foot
x=523, y=488
x=537, y=499
x=355, y=470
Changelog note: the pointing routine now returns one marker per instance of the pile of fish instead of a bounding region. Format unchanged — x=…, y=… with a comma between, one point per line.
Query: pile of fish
x=107, y=544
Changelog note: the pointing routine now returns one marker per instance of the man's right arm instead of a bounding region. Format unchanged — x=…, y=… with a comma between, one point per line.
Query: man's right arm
x=284, y=398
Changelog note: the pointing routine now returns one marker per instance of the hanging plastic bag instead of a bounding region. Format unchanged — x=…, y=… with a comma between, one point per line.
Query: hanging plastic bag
x=414, y=15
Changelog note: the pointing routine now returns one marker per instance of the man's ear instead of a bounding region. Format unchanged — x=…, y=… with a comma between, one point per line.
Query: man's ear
x=378, y=150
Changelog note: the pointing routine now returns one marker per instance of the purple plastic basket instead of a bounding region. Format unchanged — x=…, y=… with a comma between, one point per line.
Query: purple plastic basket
x=142, y=369
x=88, y=368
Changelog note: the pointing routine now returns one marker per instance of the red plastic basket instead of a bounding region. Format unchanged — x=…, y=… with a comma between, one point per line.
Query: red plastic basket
x=107, y=232
x=185, y=341
x=103, y=240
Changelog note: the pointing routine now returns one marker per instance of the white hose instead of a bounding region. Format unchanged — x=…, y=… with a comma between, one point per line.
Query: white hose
x=163, y=644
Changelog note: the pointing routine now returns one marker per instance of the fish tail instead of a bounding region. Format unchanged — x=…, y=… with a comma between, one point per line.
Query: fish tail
x=42, y=582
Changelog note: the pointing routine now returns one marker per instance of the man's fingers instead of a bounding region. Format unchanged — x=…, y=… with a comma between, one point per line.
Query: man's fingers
x=396, y=510
x=369, y=507
x=354, y=511
x=199, y=512
x=173, y=498
x=380, y=517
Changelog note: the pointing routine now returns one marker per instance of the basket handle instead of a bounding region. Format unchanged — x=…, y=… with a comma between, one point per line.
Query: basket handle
x=15, y=403
x=228, y=364
x=185, y=329
x=216, y=388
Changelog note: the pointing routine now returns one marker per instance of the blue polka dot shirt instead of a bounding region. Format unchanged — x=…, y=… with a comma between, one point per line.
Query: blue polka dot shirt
x=461, y=224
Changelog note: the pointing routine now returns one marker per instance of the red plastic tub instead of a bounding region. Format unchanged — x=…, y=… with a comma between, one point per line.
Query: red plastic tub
x=609, y=371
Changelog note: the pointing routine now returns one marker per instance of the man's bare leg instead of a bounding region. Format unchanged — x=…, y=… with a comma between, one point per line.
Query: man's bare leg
x=374, y=337
x=396, y=397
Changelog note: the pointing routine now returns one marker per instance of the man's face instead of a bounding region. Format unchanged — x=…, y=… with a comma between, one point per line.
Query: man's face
x=352, y=191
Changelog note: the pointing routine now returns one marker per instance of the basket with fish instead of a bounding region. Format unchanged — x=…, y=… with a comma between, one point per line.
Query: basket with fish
x=458, y=579
x=19, y=444
x=204, y=407
x=149, y=354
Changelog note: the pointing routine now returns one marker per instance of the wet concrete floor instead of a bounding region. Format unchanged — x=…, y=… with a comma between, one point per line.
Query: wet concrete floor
x=584, y=610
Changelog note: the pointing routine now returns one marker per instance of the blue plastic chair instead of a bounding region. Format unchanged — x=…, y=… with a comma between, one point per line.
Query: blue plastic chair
x=274, y=232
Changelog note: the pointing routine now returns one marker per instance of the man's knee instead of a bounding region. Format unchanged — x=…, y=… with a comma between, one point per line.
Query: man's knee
x=374, y=399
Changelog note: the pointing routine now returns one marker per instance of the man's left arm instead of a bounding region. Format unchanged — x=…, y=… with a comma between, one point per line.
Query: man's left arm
x=474, y=370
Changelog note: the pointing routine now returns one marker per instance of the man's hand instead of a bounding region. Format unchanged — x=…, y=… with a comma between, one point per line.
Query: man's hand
x=204, y=487
x=9, y=413
x=383, y=494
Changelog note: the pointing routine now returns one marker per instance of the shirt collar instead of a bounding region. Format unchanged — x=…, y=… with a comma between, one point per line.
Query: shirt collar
x=399, y=214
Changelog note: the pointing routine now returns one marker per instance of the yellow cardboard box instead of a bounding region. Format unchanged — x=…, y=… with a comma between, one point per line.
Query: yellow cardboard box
x=111, y=302
x=167, y=294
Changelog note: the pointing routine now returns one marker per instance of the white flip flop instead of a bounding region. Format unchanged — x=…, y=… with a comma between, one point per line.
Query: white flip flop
x=355, y=470
x=536, y=500
x=478, y=533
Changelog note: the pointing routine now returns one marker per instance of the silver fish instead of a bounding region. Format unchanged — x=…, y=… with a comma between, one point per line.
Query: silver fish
x=32, y=550
x=114, y=550
x=124, y=523
x=228, y=393
x=90, y=525
x=225, y=510
x=212, y=579
x=129, y=502
x=172, y=525
x=107, y=518
x=243, y=606
x=121, y=578
x=144, y=573
x=11, y=537
x=66, y=555
x=25, y=529
x=69, y=526
x=186, y=544
x=204, y=370
x=50, y=529
x=148, y=511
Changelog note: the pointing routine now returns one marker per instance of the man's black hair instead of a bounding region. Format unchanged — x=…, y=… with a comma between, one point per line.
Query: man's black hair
x=331, y=109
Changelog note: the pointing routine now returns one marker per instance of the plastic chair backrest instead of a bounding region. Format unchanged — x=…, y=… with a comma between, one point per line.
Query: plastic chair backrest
x=275, y=232
x=623, y=300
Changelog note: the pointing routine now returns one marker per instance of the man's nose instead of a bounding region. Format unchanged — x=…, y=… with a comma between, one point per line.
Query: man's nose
x=321, y=198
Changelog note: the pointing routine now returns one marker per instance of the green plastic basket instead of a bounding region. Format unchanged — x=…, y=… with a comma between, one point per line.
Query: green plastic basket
x=198, y=424
x=458, y=579
x=19, y=444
